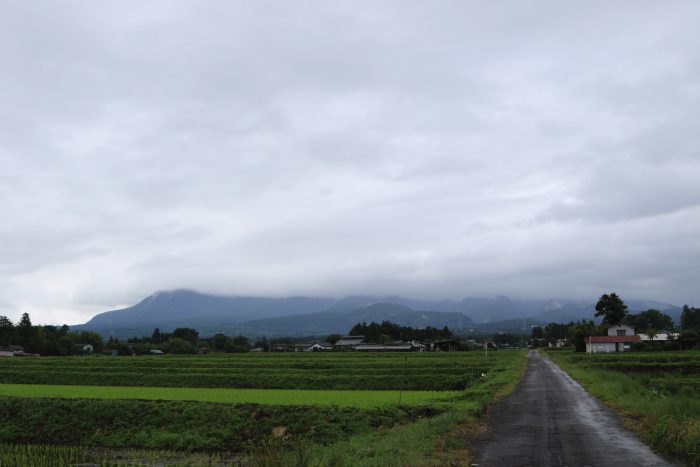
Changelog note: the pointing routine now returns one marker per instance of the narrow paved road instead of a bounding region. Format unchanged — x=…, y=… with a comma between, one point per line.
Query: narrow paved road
x=550, y=420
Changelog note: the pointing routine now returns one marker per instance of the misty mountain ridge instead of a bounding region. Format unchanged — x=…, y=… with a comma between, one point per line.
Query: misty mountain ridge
x=299, y=316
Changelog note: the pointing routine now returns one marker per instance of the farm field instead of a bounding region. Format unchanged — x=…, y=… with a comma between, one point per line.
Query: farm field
x=656, y=393
x=424, y=371
x=342, y=398
x=269, y=409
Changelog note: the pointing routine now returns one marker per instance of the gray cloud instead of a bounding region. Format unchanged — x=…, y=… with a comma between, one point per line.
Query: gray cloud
x=451, y=149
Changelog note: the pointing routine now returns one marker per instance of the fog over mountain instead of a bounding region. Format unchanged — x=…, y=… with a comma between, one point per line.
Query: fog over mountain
x=434, y=150
x=306, y=316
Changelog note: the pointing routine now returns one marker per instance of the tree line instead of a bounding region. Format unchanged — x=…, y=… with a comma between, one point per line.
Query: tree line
x=386, y=332
x=46, y=340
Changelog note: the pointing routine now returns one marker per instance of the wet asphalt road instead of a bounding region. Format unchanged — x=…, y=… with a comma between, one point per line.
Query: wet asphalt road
x=550, y=420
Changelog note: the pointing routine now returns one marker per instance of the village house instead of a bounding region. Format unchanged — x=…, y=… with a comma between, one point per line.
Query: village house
x=619, y=339
x=349, y=342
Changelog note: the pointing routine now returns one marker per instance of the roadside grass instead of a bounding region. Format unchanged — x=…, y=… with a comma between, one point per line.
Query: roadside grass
x=342, y=398
x=659, y=406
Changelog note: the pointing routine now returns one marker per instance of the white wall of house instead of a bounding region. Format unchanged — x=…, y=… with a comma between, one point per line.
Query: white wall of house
x=601, y=347
x=620, y=329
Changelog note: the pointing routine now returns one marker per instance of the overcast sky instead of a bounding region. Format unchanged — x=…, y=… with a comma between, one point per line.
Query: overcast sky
x=426, y=149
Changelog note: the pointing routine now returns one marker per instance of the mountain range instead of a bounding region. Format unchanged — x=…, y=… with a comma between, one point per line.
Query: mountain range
x=315, y=316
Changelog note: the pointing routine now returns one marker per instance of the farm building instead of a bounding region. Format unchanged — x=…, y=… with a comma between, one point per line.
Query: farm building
x=6, y=352
x=349, y=342
x=400, y=347
x=664, y=336
x=319, y=347
x=447, y=345
x=16, y=349
x=619, y=339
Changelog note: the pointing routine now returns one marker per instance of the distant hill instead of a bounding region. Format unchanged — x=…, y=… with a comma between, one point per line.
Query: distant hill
x=297, y=316
x=341, y=321
x=206, y=313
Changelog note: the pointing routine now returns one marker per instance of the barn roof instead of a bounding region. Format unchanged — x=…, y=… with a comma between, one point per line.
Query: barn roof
x=350, y=340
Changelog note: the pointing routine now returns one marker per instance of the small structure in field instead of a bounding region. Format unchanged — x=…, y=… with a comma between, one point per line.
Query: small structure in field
x=447, y=345
x=619, y=339
x=559, y=343
x=349, y=342
x=16, y=349
x=6, y=352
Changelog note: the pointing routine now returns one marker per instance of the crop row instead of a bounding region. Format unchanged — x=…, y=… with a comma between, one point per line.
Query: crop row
x=242, y=370
x=264, y=361
x=279, y=380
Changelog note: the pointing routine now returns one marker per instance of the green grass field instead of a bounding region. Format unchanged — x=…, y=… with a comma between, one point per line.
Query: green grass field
x=342, y=398
x=656, y=393
x=269, y=409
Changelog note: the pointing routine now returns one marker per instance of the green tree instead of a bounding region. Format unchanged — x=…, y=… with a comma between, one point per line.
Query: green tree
x=26, y=333
x=156, y=337
x=263, y=344
x=333, y=338
x=219, y=342
x=651, y=322
x=554, y=331
x=64, y=346
x=537, y=332
x=238, y=344
x=690, y=318
x=579, y=331
x=611, y=308
x=177, y=345
x=188, y=334
x=6, y=330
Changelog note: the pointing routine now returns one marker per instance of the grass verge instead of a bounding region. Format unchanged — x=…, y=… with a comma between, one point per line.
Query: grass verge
x=668, y=422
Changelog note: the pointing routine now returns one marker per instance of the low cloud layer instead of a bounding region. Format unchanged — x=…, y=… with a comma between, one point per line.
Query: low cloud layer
x=442, y=149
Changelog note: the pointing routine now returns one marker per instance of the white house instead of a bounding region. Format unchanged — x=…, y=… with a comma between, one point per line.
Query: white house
x=619, y=339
